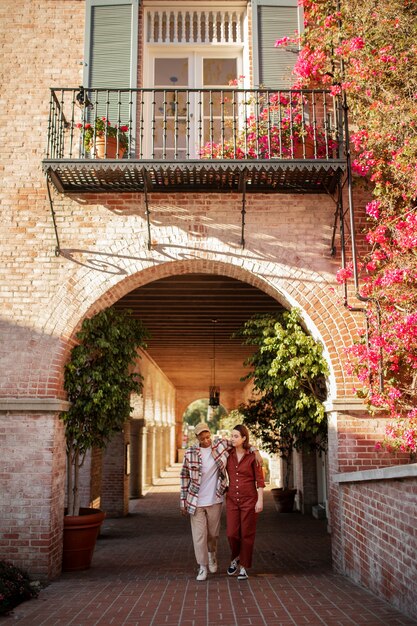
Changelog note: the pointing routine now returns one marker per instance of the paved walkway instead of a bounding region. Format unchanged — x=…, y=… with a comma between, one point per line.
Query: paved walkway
x=143, y=574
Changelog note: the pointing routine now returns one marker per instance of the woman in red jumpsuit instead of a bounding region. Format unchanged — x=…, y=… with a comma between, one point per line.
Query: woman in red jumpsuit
x=243, y=503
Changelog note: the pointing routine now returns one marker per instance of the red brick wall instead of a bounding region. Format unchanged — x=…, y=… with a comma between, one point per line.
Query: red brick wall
x=32, y=477
x=104, y=255
x=374, y=538
x=115, y=487
x=373, y=522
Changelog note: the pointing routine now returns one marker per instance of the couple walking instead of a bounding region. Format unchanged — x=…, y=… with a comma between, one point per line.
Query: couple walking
x=209, y=471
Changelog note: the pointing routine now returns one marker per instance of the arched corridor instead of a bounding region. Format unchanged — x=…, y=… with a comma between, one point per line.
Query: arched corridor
x=143, y=573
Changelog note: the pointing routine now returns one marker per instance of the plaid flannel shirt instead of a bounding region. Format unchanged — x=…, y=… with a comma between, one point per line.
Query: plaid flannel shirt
x=191, y=472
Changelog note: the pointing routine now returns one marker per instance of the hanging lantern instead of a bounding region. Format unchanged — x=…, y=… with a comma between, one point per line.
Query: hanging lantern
x=214, y=396
x=214, y=390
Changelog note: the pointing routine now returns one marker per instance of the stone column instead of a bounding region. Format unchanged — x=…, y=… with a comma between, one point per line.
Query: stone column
x=135, y=453
x=143, y=452
x=154, y=455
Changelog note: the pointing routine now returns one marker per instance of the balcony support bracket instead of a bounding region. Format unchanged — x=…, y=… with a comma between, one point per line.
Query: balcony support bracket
x=147, y=211
x=242, y=189
x=51, y=205
x=337, y=214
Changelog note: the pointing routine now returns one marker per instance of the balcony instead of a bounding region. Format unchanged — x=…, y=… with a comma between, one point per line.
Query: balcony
x=194, y=140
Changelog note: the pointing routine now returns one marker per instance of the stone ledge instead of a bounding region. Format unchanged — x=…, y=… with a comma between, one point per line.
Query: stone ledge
x=37, y=405
x=382, y=473
x=350, y=403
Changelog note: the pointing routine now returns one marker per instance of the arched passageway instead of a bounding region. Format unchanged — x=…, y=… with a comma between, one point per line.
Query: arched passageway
x=183, y=351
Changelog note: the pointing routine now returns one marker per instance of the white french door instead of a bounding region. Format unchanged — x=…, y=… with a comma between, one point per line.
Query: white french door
x=183, y=117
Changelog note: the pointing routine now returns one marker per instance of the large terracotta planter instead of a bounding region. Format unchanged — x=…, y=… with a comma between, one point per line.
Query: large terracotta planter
x=80, y=535
x=107, y=150
x=283, y=499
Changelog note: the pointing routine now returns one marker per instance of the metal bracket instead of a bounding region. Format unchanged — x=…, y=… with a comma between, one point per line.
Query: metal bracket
x=51, y=204
x=242, y=188
x=338, y=214
x=147, y=211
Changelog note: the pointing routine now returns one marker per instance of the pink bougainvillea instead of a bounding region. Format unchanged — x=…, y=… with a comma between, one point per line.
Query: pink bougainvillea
x=368, y=49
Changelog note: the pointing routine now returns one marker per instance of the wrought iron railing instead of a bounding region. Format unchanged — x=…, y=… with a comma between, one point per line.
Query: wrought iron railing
x=187, y=124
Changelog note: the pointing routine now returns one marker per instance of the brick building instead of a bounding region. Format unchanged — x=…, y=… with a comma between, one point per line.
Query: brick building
x=81, y=233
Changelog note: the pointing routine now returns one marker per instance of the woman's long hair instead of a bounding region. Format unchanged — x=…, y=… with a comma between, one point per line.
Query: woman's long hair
x=244, y=433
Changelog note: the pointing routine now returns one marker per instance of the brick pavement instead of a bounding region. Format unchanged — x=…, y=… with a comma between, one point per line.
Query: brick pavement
x=143, y=574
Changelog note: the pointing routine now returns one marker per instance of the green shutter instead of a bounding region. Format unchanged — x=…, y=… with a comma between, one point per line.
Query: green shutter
x=276, y=64
x=110, y=54
x=110, y=57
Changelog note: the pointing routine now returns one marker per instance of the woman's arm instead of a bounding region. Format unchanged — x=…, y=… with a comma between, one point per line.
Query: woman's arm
x=260, y=501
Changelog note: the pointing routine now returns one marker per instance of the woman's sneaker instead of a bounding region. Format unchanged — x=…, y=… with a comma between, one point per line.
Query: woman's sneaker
x=202, y=573
x=233, y=567
x=242, y=574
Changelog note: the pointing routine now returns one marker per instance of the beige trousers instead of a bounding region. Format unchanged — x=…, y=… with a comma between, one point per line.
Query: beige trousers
x=205, y=528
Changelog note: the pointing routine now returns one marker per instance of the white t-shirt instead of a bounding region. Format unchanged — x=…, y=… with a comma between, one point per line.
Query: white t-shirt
x=207, y=493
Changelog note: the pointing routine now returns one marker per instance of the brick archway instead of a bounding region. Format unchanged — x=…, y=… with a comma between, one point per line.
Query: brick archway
x=320, y=309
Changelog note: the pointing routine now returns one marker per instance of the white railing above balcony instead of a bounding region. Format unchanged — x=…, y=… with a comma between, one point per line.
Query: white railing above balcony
x=185, y=26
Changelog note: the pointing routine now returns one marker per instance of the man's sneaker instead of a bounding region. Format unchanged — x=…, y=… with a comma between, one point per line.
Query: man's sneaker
x=202, y=573
x=212, y=562
x=232, y=569
x=242, y=574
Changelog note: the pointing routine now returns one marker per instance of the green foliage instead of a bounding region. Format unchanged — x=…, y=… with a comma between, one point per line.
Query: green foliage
x=229, y=420
x=196, y=412
x=15, y=587
x=288, y=371
x=99, y=382
x=97, y=378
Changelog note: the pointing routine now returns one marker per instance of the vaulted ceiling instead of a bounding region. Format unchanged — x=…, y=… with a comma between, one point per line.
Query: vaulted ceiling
x=179, y=312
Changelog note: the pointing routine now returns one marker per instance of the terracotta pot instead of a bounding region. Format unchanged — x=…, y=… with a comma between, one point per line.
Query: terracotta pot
x=106, y=150
x=284, y=499
x=80, y=535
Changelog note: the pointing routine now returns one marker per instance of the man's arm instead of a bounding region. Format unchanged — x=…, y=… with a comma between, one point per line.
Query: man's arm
x=252, y=450
x=184, y=483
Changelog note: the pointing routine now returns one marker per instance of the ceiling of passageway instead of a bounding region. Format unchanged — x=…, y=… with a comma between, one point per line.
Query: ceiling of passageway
x=178, y=311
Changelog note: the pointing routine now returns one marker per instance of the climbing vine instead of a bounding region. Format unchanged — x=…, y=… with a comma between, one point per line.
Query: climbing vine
x=367, y=48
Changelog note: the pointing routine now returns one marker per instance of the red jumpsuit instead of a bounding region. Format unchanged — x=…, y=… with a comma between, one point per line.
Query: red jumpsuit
x=244, y=478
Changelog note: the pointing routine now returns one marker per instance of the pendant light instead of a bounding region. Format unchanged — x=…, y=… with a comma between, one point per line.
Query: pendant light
x=214, y=390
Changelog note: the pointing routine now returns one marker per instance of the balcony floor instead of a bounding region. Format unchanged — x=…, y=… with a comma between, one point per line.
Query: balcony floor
x=312, y=176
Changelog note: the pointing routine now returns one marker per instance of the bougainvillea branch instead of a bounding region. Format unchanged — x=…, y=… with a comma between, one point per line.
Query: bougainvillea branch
x=368, y=48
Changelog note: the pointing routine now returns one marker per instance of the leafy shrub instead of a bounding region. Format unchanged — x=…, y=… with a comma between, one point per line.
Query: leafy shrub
x=15, y=587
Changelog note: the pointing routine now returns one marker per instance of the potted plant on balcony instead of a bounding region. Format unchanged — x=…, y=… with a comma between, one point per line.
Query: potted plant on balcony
x=99, y=379
x=278, y=130
x=288, y=372
x=104, y=141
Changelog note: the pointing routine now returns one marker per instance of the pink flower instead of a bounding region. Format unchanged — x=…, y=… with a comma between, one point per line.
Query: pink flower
x=372, y=209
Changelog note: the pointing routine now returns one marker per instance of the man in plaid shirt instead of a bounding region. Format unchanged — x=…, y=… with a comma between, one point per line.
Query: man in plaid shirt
x=203, y=483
